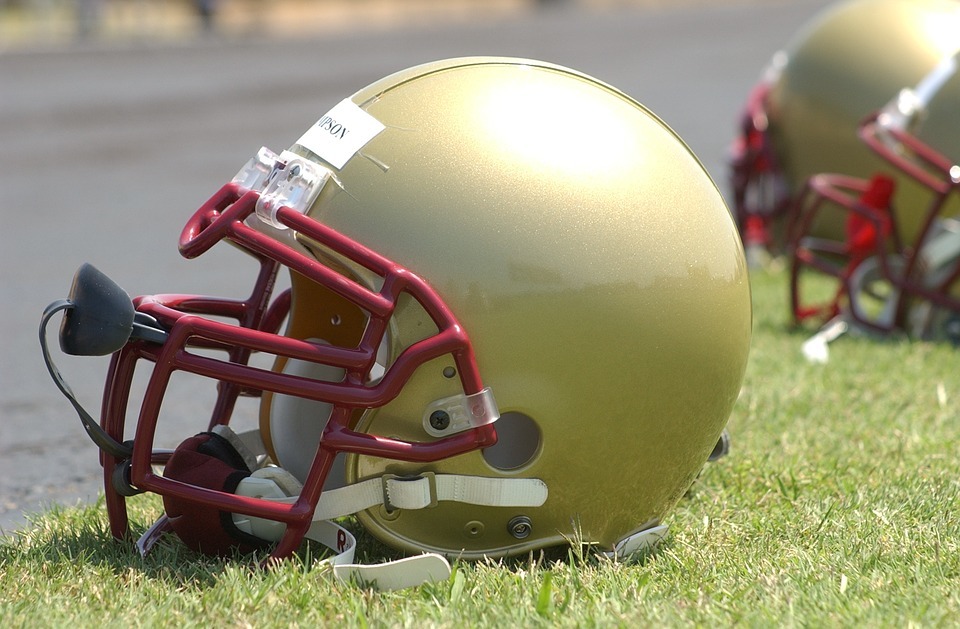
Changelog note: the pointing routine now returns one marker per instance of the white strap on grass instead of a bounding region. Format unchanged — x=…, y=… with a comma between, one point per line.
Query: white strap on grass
x=392, y=492
x=815, y=348
x=273, y=483
x=391, y=575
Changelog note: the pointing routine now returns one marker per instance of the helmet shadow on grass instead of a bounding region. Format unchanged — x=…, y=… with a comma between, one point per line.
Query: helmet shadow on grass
x=65, y=539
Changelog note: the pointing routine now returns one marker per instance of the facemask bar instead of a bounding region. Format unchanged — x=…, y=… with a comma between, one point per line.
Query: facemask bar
x=870, y=227
x=225, y=217
x=761, y=196
x=257, y=312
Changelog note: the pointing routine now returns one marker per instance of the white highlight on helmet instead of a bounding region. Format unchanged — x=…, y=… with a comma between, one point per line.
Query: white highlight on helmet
x=519, y=119
x=931, y=84
x=341, y=133
x=911, y=103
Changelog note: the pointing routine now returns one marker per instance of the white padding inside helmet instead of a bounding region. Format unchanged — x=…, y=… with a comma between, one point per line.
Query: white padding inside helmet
x=296, y=424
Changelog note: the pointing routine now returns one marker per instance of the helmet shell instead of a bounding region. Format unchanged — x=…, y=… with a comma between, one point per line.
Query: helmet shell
x=596, y=269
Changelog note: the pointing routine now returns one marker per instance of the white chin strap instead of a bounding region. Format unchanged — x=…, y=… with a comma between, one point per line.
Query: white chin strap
x=274, y=483
x=390, y=575
x=391, y=492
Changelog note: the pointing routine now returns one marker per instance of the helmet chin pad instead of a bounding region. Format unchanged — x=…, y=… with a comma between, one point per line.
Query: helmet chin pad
x=211, y=461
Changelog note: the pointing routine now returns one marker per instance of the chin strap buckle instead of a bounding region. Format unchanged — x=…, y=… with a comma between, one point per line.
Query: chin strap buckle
x=421, y=493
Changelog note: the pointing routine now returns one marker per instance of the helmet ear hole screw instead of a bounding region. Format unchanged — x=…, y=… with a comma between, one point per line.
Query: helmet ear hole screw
x=520, y=527
x=439, y=420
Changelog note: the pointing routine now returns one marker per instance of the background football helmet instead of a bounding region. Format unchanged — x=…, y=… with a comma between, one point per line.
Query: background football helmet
x=897, y=264
x=802, y=117
x=518, y=315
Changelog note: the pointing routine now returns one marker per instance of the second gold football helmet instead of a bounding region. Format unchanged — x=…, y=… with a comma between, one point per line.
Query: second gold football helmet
x=897, y=264
x=802, y=117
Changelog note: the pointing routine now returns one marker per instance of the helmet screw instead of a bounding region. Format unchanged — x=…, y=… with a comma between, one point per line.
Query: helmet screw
x=520, y=527
x=439, y=420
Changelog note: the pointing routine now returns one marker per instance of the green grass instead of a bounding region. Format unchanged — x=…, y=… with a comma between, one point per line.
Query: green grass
x=838, y=506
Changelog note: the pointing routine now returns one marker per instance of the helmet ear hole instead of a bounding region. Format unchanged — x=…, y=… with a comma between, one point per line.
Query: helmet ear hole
x=518, y=442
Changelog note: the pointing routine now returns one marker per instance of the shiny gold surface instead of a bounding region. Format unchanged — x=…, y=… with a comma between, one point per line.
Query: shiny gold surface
x=595, y=267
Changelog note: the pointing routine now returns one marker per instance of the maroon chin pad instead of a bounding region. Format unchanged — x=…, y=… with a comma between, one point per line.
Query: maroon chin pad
x=207, y=460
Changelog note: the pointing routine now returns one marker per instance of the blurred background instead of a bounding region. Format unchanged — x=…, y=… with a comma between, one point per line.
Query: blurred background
x=47, y=23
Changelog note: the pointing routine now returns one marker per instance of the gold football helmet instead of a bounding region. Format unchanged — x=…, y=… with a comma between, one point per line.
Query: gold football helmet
x=897, y=264
x=518, y=315
x=802, y=117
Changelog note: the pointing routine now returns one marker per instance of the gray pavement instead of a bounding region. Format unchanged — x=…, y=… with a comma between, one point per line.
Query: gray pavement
x=107, y=150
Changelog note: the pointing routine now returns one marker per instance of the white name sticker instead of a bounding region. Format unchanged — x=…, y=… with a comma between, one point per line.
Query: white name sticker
x=340, y=133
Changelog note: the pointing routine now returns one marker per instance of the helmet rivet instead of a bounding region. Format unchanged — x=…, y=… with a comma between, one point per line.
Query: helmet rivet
x=520, y=527
x=474, y=528
x=439, y=420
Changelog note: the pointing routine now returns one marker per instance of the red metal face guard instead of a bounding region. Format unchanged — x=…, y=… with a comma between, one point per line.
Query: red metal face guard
x=185, y=318
x=760, y=195
x=872, y=230
x=869, y=226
